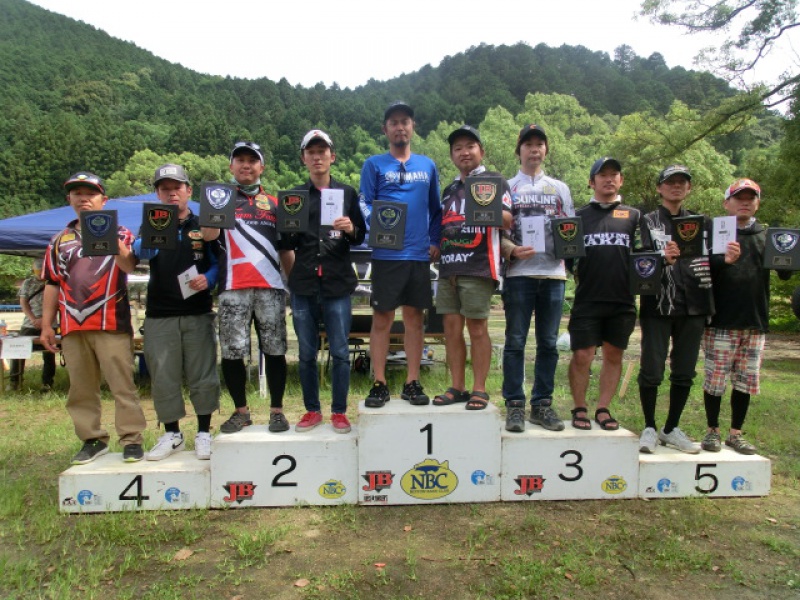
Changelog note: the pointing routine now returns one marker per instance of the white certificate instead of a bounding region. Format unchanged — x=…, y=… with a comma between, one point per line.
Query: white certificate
x=17, y=347
x=533, y=232
x=724, y=232
x=332, y=206
x=184, y=279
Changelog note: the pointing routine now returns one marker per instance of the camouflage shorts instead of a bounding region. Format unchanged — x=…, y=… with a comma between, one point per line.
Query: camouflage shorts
x=239, y=308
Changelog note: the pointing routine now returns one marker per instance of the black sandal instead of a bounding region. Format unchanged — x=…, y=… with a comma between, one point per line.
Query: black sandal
x=579, y=419
x=451, y=396
x=477, y=401
x=610, y=424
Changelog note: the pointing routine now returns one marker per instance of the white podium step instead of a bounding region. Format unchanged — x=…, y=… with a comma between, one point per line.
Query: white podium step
x=108, y=484
x=569, y=464
x=672, y=474
x=255, y=467
x=427, y=454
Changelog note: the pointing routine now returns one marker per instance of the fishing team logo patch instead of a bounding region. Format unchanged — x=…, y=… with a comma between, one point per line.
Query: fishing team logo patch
x=218, y=197
x=483, y=192
x=688, y=231
x=389, y=217
x=159, y=218
x=784, y=241
x=567, y=230
x=292, y=203
x=644, y=266
x=99, y=225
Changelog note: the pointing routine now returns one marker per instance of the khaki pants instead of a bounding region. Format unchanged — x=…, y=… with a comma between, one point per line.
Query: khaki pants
x=88, y=354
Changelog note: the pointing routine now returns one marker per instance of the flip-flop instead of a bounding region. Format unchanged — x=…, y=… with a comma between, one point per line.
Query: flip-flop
x=579, y=419
x=451, y=396
x=477, y=400
x=610, y=424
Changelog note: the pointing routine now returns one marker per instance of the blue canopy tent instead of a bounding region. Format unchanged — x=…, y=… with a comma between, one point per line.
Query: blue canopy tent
x=28, y=235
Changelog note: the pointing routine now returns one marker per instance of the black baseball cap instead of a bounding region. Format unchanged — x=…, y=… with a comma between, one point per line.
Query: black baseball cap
x=250, y=147
x=673, y=170
x=528, y=131
x=170, y=171
x=395, y=106
x=465, y=131
x=85, y=178
x=602, y=162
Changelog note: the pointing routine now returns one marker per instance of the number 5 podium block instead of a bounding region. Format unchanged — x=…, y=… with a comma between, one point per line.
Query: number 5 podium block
x=569, y=464
x=255, y=467
x=108, y=484
x=428, y=454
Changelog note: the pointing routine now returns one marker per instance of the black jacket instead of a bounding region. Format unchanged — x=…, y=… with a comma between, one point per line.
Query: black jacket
x=322, y=263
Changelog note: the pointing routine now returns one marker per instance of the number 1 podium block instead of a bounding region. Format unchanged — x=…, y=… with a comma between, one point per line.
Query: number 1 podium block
x=108, y=484
x=569, y=464
x=428, y=454
x=255, y=467
x=672, y=474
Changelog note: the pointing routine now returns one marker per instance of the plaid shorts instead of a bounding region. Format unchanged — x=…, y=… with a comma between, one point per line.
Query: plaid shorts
x=734, y=352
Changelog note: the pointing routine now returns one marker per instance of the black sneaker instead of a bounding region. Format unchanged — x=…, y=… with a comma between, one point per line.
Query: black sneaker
x=547, y=417
x=412, y=391
x=236, y=422
x=91, y=450
x=378, y=395
x=278, y=422
x=132, y=453
x=515, y=417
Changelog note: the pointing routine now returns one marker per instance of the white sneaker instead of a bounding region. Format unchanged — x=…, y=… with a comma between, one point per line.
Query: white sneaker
x=648, y=441
x=202, y=445
x=678, y=440
x=167, y=444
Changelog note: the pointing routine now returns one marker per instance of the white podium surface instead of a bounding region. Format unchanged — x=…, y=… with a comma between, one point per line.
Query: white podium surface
x=672, y=474
x=569, y=465
x=428, y=454
x=255, y=467
x=108, y=484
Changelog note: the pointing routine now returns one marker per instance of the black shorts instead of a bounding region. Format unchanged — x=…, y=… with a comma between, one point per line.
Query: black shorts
x=592, y=323
x=400, y=283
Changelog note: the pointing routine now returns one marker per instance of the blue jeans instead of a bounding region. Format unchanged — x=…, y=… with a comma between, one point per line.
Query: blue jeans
x=336, y=314
x=522, y=298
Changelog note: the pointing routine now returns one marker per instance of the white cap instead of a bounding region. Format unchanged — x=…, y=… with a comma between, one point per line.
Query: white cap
x=316, y=134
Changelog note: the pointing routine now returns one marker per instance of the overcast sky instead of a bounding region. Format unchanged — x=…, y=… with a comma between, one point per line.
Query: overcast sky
x=351, y=41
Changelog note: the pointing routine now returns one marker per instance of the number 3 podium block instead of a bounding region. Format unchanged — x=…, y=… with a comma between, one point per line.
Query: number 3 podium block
x=672, y=474
x=257, y=468
x=569, y=464
x=179, y=481
x=427, y=454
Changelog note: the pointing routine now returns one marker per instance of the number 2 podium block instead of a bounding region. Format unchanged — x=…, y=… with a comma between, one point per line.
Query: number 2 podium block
x=428, y=454
x=569, y=464
x=108, y=484
x=672, y=474
x=255, y=467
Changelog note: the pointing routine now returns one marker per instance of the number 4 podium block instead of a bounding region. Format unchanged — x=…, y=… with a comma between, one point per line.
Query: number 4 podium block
x=569, y=464
x=672, y=474
x=255, y=467
x=428, y=454
x=108, y=484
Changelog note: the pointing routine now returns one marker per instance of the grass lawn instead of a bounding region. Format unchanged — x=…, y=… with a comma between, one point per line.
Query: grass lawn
x=744, y=548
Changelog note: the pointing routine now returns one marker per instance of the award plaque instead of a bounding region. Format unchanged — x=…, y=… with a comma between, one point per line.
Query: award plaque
x=688, y=234
x=218, y=205
x=568, y=237
x=99, y=232
x=293, y=211
x=159, y=226
x=645, y=273
x=483, y=201
x=387, y=225
x=782, y=250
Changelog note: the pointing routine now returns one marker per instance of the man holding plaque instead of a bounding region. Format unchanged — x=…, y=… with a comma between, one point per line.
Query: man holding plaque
x=96, y=332
x=604, y=311
x=401, y=277
x=251, y=289
x=733, y=342
x=322, y=279
x=677, y=313
x=179, y=329
x=469, y=270
x=534, y=283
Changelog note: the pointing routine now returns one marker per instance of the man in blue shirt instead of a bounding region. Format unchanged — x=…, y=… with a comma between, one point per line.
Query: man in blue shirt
x=401, y=277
